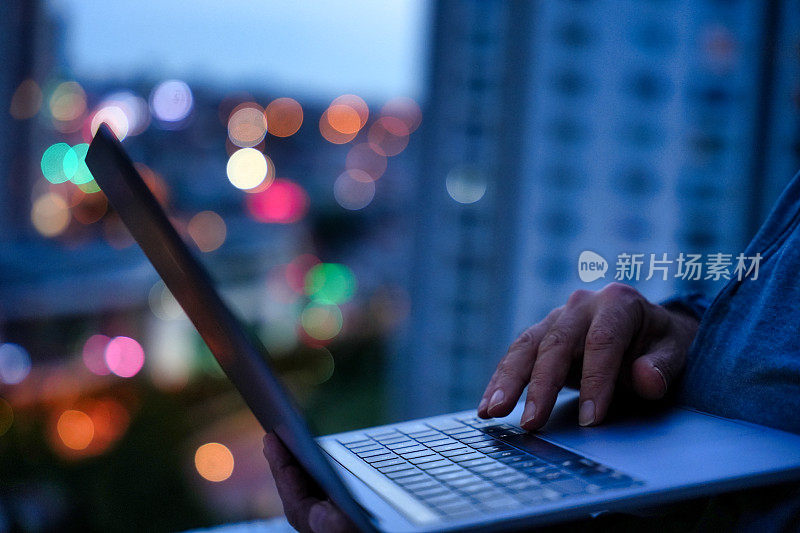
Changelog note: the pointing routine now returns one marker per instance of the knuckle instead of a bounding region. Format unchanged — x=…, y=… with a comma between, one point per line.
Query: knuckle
x=618, y=290
x=599, y=338
x=555, y=338
x=578, y=296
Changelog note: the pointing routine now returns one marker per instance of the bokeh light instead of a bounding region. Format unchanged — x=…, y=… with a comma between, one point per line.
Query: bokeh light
x=248, y=168
x=93, y=354
x=76, y=429
x=344, y=119
x=283, y=202
x=214, y=462
x=77, y=159
x=466, y=185
x=163, y=304
x=284, y=117
x=363, y=157
x=405, y=109
x=59, y=163
x=124, y=356
x=67, y=105
x=26, y=100
x=207, y=230
x=330, y=134
x=50, y=214
x=114, y=117
x=247, y=125
x=135, y=108
x=330, y=283
x=91, y=208
x=321, y=321
x=355, y=103
x=353, y=193
x=15, y=363
x=110, y=419
x=388, y=136
x=6, y=417
x=297, y=269
x=171, y=103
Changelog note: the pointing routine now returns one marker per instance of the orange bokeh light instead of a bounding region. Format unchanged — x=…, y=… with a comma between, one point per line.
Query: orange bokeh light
x=284, y=117
x=76, y=429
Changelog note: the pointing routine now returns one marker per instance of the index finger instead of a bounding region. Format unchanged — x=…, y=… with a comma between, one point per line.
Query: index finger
x=609, y=335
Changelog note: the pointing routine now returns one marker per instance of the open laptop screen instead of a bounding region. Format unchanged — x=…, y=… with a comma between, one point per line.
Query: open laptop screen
x=242, y=357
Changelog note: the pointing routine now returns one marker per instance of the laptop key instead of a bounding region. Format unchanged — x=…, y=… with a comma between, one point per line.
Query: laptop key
x=446, y=469
x=394, y=468
x=433, y=464
x=500, y=504
x=377, y=458
x=467, y=457
x=448, y=447
x=388, y=462
x=371, y=453
x=419, y=453
x=456, y=451
x=505, y=453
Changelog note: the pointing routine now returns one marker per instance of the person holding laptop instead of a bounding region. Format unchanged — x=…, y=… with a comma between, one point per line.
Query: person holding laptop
x=738, y=357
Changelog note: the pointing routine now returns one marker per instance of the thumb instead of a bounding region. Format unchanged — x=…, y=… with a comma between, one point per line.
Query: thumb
x=653, y=373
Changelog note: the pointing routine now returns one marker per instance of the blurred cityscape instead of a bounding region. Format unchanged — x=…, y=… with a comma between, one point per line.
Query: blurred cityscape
x=385, y=251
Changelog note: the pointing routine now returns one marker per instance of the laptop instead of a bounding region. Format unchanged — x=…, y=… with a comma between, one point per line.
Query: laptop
x=455, y=472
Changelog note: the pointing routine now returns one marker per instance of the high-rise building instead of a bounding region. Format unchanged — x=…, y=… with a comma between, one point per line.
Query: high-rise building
x=558, y=127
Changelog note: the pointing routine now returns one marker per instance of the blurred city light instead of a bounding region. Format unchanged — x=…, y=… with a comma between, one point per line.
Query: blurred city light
x=113, y=116
x=354, y=189
x=248, y=168
x=124, y=356
x=283, y=202
x=247, y=125
x=466, y=185
x=171, y=102
x=163, y=304
x=93, y=354
x=135, y=108
x=322, y=321
x=388, y=136
x=214, y=462
x=26, y=100
x=76, y=429
x=362, y=157
x=330, y=282
x=405, y=109
x=207, y=230
x=50, y=214
x=15, y=363
x=67, y=105
x=59, y=163
x=284, y=117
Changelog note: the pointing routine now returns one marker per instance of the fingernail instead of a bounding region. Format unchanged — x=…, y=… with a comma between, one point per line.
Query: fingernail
x=663, y=377
x=528, y=414
x=497, y=399
x=586, y=413
x=482, y=404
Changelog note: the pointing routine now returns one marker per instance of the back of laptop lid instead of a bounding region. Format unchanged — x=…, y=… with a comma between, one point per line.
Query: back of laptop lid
x=240, y=355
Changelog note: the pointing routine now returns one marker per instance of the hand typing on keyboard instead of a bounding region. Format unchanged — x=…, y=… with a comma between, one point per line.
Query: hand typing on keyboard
x=607, y=336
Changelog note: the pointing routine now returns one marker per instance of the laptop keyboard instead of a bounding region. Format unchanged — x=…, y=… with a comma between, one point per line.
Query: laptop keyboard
x=467, y=466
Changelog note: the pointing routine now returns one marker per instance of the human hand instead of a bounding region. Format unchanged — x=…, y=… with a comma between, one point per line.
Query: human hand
x=606, y=336
x=306, y=507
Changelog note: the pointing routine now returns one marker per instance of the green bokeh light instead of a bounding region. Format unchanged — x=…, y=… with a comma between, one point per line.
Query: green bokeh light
x=59, y=163
x=81, y=174
x=330, y=282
